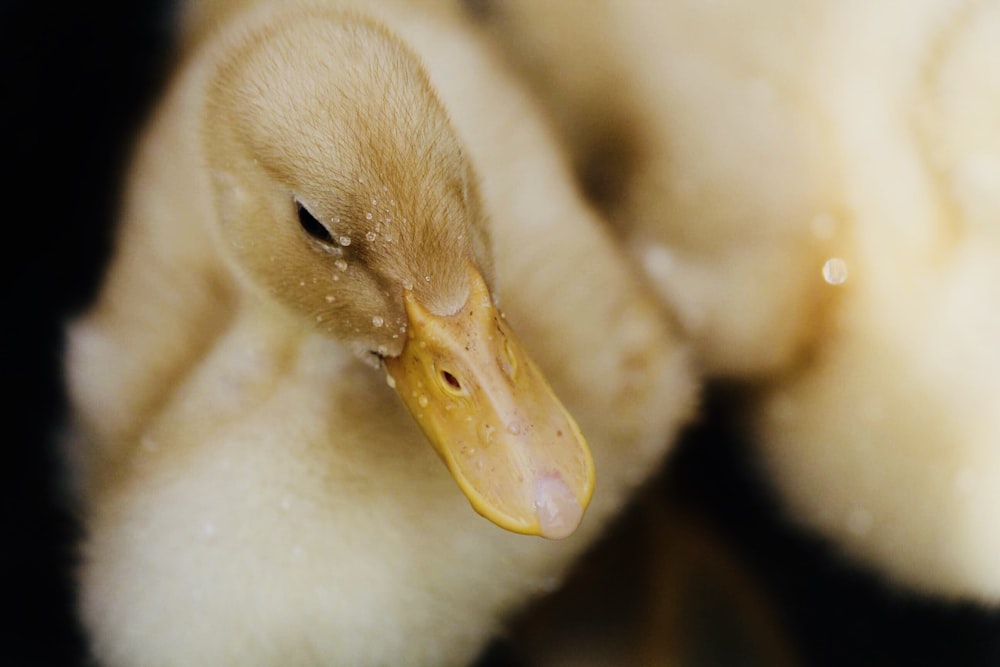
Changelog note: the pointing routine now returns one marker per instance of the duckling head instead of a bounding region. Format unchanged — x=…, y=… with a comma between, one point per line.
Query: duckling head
x=342, y=194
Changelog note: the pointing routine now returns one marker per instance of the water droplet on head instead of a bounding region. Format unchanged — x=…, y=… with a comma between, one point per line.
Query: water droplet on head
x=345, y=240
x=422, y=400
x=835, y=271
x=427, y=278
x=330, y=298
x=368, y=216
x=377, y=321
x=370, y=236
x=341, y=265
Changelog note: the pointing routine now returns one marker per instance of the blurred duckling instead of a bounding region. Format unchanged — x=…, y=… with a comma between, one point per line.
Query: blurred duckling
x=814, y=188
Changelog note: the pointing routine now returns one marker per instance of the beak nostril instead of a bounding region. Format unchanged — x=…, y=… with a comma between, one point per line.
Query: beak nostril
x=451, y=380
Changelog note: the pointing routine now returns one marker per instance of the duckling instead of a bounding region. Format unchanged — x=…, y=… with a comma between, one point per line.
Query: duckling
x=696, y=135
x=886, y=440
x=326, y=188
x=814, y=189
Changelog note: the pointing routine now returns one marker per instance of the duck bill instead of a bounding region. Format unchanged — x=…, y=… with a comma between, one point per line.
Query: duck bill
x=514, y=450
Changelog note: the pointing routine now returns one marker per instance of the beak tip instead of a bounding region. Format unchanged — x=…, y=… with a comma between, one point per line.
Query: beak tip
x=559, y=511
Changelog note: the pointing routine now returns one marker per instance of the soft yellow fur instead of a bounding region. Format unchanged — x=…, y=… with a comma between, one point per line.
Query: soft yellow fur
x=888, y=441
x=770, y=137
x=711, y=156
x=254, y=493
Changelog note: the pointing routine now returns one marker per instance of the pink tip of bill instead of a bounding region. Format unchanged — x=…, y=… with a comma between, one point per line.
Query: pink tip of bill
x=559, y=512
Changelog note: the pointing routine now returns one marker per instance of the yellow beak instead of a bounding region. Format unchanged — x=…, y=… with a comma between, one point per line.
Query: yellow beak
x=514, y=450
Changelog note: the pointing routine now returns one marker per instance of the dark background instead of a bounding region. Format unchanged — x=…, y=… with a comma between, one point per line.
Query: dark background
x=77, y=78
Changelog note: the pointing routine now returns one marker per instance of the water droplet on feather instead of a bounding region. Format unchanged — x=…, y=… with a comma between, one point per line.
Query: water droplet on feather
x=835, y=271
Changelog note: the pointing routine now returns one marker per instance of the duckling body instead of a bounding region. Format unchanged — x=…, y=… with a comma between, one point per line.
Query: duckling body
x=254, y=492
x=814, y=189
x=886, y=440
x=695, y=129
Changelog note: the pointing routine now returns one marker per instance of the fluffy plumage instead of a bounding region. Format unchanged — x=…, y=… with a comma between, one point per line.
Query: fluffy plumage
x=695, y=133
x=887, y=439
x=768, y=139
x=254, y=493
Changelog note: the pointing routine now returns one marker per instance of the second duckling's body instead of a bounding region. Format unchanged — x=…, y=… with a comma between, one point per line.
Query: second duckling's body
x=816, y=190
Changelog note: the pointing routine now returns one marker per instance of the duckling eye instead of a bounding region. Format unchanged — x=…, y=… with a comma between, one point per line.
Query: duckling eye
x=312, y=226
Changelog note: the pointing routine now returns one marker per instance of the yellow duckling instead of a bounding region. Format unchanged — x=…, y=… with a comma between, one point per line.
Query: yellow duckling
x=814, y=188
x=696, y=133
x=322, y=191
x=886, y=440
